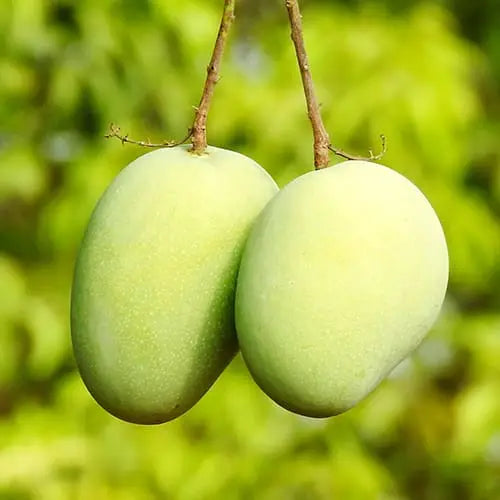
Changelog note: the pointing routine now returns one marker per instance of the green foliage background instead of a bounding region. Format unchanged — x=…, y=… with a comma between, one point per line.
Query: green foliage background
x=423, y=73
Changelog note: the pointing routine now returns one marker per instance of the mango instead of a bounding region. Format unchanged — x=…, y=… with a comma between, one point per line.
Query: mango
x=343, y=275
x=152, y=307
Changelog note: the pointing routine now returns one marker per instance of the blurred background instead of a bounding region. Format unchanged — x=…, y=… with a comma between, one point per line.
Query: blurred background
x=424, y=73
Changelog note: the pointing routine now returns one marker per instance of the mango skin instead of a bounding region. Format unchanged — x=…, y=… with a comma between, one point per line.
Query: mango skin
x=152, y=311
x=343, y=274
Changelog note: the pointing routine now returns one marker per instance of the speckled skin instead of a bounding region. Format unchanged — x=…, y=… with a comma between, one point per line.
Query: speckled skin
x=152, y=313
x=344, y=273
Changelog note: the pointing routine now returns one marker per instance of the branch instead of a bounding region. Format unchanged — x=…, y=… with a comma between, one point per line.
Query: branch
x=372, y=157
x=321, y=138
x=322, y=144
x=115, y=131
x=200, y=119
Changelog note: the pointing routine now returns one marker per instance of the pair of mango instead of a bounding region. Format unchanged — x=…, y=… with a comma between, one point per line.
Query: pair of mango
x=325, y=286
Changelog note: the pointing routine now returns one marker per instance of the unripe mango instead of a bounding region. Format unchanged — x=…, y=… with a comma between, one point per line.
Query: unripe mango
x=343, y=274
x=152, y=313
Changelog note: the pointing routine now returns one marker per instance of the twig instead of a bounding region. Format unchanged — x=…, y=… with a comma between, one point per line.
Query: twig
x=114, y=131
x=321, y=138
x=200, y=119
x=198, y=132
x=322, y=144
x=372, y=157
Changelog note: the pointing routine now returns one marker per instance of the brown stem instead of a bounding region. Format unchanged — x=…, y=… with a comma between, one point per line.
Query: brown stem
x=321, y=138
x=200, y=120
x=322, y=144
x=198, y=132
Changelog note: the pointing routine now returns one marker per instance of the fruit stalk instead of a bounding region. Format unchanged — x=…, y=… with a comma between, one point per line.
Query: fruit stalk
x=321, y=138
x=199, y=130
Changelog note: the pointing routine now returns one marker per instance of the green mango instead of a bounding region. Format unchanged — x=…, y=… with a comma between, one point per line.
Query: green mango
x=152, y=311
x=343, y=275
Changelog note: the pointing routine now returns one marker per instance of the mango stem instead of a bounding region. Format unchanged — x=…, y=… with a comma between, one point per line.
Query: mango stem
x=199, y=129
x=322, y=144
